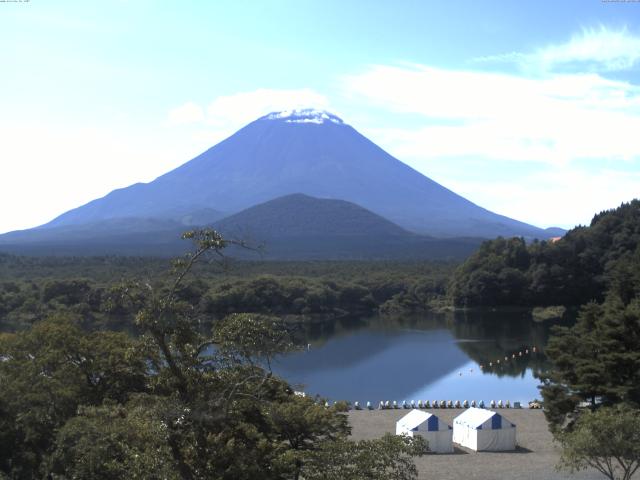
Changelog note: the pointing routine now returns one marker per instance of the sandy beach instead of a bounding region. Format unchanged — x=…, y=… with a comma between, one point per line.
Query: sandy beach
x=535, y=458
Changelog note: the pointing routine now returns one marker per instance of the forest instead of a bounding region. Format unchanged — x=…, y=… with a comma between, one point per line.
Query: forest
x=32, y=288
x=578, y=268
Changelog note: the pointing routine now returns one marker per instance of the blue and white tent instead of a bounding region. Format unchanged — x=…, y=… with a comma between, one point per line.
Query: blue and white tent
x=427, y=425
x=480, y=429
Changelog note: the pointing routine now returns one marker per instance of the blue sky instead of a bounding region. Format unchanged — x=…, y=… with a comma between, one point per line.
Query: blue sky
x=530, y=109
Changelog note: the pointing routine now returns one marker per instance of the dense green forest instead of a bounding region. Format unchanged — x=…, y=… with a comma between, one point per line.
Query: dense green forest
x=90, y=288
x=572, y=271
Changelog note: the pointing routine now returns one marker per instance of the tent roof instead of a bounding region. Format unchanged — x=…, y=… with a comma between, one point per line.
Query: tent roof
x=474, y=417
x=414, y=419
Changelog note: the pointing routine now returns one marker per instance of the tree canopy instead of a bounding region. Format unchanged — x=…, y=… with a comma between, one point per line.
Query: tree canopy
x=607, y=440
x=576, y=269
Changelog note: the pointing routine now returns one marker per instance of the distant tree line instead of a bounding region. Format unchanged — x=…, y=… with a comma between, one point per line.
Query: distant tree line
x=89, y=289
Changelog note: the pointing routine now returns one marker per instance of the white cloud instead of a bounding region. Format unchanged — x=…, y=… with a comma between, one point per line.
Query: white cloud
x=599, y=48
x=594, y=49
x=563, y=197
x=186, y=114
x=558, y=119
x=574, y=134
x=228, y=113
x=244, y=107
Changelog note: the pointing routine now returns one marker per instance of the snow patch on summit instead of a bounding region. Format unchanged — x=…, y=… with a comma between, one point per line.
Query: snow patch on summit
x=306, y=115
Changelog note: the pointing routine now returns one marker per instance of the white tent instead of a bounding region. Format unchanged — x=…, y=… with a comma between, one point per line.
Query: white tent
x=480, y=429
x=428, y=426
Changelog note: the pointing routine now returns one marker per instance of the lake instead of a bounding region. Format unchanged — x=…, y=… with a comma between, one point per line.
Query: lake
x=432, y=357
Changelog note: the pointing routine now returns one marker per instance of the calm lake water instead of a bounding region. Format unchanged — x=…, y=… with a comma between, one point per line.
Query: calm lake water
x=427, y=358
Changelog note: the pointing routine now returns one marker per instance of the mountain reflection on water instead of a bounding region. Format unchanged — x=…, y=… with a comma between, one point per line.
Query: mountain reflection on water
x=435, y=356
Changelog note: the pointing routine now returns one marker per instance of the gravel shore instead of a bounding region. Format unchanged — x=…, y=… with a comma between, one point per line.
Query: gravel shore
x=535, y=458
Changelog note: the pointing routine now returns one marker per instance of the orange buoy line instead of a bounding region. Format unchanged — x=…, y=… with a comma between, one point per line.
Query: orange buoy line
x=513, y=357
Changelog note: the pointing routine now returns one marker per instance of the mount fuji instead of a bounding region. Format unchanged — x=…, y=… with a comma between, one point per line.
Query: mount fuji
x=310, y=152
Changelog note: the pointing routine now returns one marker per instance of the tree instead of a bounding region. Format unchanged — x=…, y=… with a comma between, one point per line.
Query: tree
x=113, y=441
x=252, y=338
x=46, y=373
x=390, y=457
x=607, y=440
x=595, y=361
x=304, y=423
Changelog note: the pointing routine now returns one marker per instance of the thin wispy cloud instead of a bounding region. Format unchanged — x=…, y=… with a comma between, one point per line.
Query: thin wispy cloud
x=592, y=50
x=227, y=113
x=186, y=113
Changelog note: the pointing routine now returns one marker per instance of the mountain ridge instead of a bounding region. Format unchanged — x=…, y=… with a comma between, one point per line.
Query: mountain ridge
x=292, y=227
x=272, y=156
